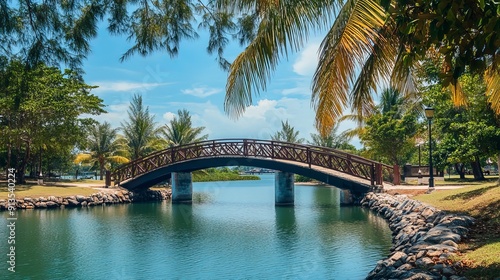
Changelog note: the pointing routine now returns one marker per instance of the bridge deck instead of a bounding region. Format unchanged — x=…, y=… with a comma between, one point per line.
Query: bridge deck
x=318, y=162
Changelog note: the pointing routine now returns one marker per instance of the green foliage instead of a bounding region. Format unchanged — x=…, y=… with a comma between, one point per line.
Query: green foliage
x=390, y=139
x=287, y=134
x=140, y=130
x=180, y=130
x=466, y=134
x=40, y=111
x=103, y=147
x=389, y=133
x=49, y=32
x=302, y=179
x=221, y=174
x=332, y=140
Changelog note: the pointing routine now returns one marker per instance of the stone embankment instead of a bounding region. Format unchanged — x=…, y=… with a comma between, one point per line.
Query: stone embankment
x=424, y=238
x=95, y=199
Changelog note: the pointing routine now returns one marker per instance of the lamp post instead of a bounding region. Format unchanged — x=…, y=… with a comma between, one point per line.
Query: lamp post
x=429, y=113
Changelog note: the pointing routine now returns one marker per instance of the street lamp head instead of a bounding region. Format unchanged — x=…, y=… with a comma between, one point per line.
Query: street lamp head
x=429, y=112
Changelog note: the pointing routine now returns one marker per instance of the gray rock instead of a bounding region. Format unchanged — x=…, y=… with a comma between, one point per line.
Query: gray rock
x=448, y=271
x=73, y=202
x=424, y=262
x=52, y=204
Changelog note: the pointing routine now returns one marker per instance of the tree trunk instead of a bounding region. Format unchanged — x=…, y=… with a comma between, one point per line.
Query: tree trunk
x=460, y=168
x=477, y=170
x=9, y=153
x=21, y=168
x=498, y=168
x=101, y=168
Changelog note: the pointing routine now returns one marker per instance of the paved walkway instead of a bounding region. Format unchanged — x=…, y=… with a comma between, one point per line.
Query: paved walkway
x=423, y=187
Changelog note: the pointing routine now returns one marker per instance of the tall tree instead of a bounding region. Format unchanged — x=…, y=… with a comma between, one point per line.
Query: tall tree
x=389, y=131
x=103, y=148
x=467, y=135
x=287, y=134
x=40, y=110
x=180, y=130
x=140, y=130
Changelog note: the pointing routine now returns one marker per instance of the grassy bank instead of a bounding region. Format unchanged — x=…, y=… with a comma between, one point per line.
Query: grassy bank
x=481, y=259
x=226, y=176
x=22, y=191
x=65, y=188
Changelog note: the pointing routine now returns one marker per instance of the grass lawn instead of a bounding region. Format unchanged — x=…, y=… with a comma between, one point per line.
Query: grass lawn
x=34, y=191
x=455, y=180
x=482, y=251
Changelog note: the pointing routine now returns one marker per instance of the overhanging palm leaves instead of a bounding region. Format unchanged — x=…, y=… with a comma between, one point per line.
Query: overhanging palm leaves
x=284, y=27
x=368, y=47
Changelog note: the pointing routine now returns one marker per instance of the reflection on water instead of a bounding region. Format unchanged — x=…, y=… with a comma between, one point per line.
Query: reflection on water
x=232, y=230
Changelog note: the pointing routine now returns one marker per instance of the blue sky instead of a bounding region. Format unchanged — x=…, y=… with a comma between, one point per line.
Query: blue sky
x=194, y=81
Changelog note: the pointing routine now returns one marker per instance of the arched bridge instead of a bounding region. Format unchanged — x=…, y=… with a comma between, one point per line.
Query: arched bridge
x=330, y=166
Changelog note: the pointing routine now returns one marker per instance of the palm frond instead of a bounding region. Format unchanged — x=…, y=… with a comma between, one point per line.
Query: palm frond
x=492, y=79
x=343, y=51
x=284, y=27
x=375, y=73
x=80, y=158
x=403, y=78
x=118, y=159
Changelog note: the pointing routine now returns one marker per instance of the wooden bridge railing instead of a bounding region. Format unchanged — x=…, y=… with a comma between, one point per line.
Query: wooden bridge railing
x=373, y=171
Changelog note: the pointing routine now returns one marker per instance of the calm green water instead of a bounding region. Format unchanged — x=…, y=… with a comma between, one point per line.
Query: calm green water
x=232, y=231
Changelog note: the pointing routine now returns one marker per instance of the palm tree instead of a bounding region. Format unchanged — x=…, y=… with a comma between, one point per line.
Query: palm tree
x=369, y=43
x=141, y=131
x=331, y=140
x=391, y=100
x=180, y=130
x=104, y=147
x=287, y=134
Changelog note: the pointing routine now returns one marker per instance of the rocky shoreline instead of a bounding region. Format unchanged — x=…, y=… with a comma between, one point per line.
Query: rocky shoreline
x=424, y=238
x=95, y=199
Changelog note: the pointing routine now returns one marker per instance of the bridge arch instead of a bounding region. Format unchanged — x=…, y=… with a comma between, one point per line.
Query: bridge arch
x=158, y=175
x=330, y=166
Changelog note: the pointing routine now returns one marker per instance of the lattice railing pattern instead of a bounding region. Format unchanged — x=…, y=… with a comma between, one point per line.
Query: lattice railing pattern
x=372, y=171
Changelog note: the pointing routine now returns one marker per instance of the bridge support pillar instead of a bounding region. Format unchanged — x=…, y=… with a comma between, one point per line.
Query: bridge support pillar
x=348, y=197
x=284, y=188
x=182, y=187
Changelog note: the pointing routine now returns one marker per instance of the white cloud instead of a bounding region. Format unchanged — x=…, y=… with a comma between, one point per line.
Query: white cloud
x=299, y=90
x=259, y=121
x=116, y=114
x=168, y=116
x=201, y=91
x=307, y=61
x=124, y=86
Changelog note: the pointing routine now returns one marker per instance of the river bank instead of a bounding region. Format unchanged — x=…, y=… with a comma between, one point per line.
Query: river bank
x=424, y=238
x=106, y=197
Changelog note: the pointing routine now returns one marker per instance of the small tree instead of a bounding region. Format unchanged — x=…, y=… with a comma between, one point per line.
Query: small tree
x=332, y=140
x=287, y=134
x=390, y=129
x=180, y=130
